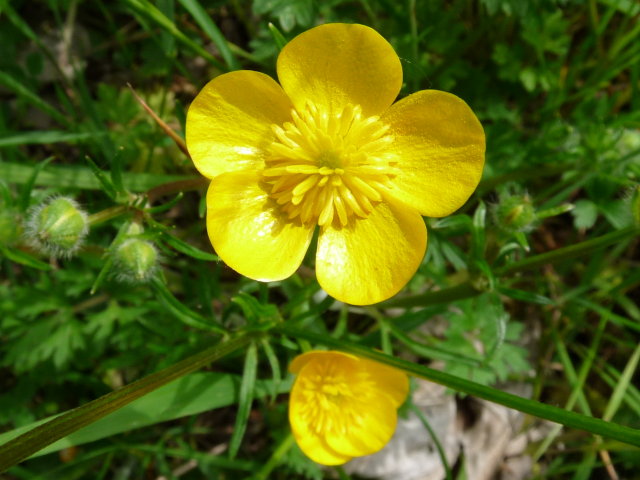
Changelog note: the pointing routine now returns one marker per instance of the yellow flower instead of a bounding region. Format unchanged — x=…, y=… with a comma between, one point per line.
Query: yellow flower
x=343, y=406
x=329, y=148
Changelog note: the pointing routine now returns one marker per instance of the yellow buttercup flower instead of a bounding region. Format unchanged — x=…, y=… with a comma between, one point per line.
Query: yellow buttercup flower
x=328, y=148
x=343, y=406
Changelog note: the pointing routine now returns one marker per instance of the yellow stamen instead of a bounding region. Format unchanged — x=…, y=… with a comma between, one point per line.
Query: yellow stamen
x=327, y=168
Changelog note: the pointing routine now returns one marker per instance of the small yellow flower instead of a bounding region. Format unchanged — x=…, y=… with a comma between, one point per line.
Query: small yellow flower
x=330, y=149
x=343, y=406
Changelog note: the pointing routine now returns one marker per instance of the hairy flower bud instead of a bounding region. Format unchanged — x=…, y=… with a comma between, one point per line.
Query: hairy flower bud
x=57, y=227
x=515, y=214
x=136, y=260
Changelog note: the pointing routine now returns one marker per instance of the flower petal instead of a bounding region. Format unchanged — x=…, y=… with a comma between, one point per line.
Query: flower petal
x=318, y=356
x=313, y=445
x=336, y=64
x=440, y=145
x=388, y=380
x=371, y=259
x=249, y=233
x=310, y=442
x=229, y=122
x=369, y=427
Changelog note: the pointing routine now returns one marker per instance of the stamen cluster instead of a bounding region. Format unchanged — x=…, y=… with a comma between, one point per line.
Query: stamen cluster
x=326, y=167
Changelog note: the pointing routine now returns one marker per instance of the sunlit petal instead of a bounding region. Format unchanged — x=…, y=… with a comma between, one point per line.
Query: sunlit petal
x=229, y=122
x=440, y=145
x=371, y=259
x=249, y=233
x=338, y=64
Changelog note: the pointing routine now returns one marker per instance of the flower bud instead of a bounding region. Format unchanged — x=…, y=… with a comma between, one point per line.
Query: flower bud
x=135, y=260
x=515, y=214
x=57, y=227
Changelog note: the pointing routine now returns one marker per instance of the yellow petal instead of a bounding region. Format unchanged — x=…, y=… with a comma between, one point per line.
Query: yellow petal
x=229, y=122
x=249, y=233
x=440, y=145
x=336, y=64
x=310, y=442
x=388, y=380
x=371, y=259
x=318, y=355
x=369, y=427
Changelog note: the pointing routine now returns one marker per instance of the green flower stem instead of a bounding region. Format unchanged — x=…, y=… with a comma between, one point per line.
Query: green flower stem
x=25, y=445
x=168, y=188
x=571, y=251
x=570, y=419
x=276, y=458
x=468, y=290
x=436, y=441
x=107, y=214
x=446, y=295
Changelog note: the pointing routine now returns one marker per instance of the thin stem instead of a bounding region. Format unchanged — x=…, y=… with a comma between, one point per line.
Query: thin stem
x=107, y=214
x=571, y=251
x=276, y=458
x=443, y=456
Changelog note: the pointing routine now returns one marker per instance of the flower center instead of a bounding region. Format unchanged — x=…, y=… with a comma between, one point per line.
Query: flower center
x=333, y=400
x=327, y=167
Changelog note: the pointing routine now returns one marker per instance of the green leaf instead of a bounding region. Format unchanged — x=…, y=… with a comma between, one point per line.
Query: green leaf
x=82, y=178
x=525, y=296
x=625, y=379
x=43, y=137
x=214, y=33
x=255, y=312
x=584, y=214
x=246, y=399
x=25, y=194
x=22, y=91
x=24, y=258
x=278, y=38
x=26, y=444
x=274, y=363
x=187, y=249
x=107, y=185
x=148, y=10
x=189, y=395
x=181, y=311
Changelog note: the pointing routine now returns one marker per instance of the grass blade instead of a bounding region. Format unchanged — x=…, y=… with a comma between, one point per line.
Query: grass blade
x=211, y=29
x=247, y=388
x=25, y=445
